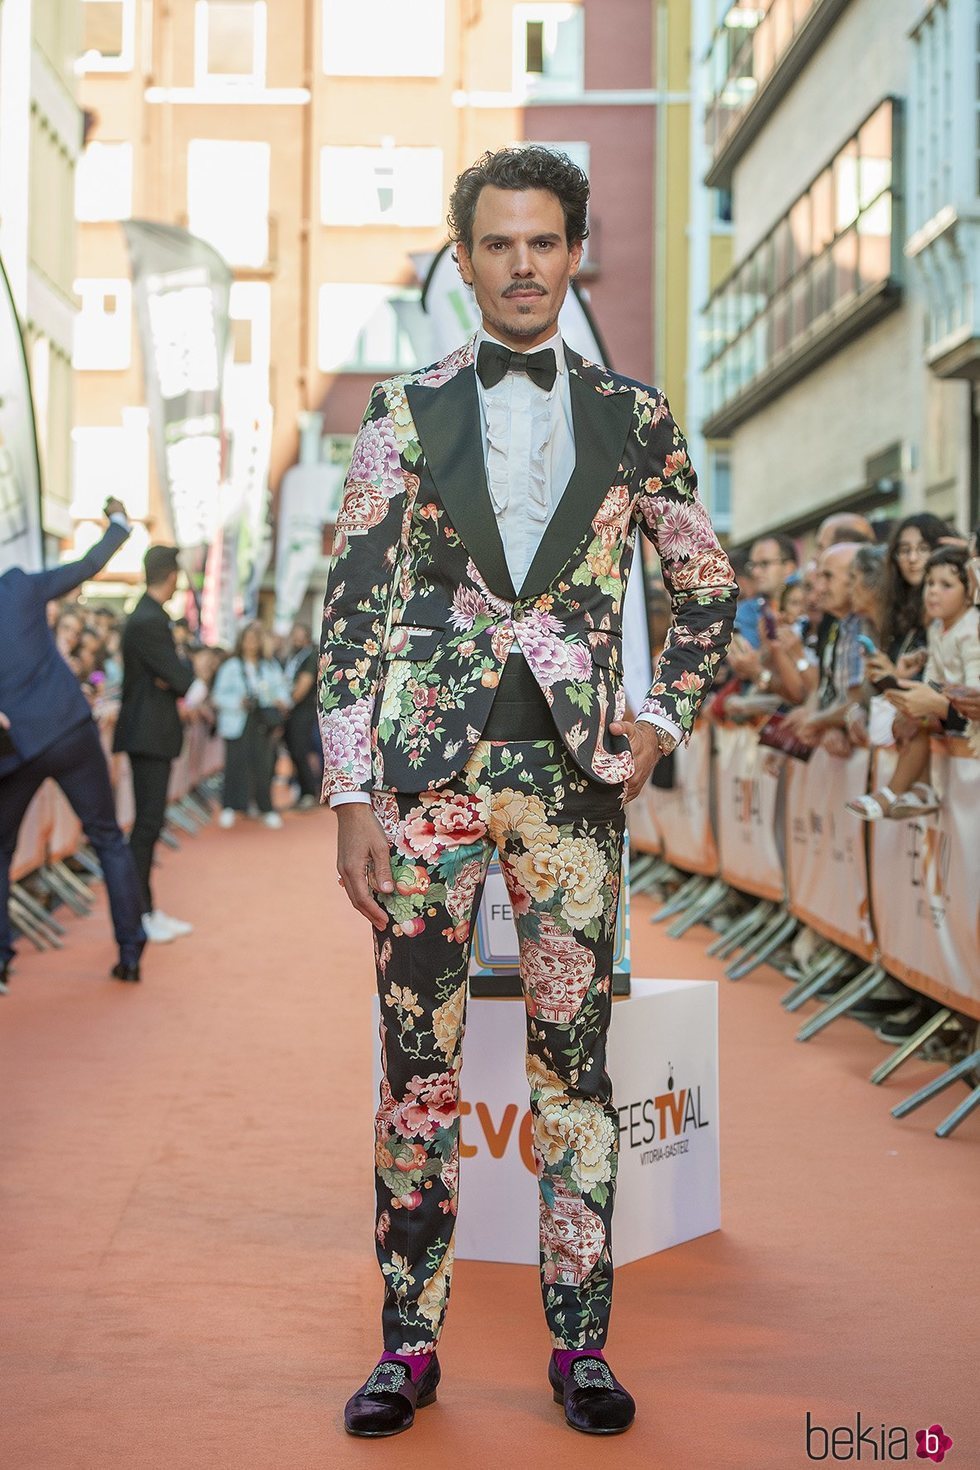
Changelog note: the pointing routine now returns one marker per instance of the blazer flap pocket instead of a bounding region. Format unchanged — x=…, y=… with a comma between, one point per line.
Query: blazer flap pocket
x=416, y=644
x=606, y=650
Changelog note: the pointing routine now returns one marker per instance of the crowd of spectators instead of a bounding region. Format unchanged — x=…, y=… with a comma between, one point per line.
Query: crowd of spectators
x=260, y=698
x=873, y=641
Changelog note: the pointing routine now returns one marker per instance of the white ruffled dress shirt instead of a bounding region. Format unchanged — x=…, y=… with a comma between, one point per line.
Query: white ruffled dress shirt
x=529, y=453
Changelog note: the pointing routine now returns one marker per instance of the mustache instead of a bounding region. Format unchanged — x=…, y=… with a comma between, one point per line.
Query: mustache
x=523, y=289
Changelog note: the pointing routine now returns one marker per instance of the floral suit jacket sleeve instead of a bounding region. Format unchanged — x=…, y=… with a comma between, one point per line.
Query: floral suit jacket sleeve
x=697, y=574
x=377, y=504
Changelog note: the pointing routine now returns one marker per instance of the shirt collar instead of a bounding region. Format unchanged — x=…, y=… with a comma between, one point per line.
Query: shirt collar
x=555, y=343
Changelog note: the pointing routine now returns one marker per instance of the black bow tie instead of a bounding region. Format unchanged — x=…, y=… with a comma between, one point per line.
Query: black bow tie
x=494, y=362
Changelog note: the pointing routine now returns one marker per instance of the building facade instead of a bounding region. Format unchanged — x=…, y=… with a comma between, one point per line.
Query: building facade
x=41, y=129
x=314, y=144
x=818, y=357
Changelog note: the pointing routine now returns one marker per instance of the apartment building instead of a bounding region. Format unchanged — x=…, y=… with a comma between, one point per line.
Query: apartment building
x=314, y=144
x=840, y=352
x=40, y=140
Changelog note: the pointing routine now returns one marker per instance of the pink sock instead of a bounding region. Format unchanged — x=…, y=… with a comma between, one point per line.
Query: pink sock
x=564, y=1359
x=416, y=1363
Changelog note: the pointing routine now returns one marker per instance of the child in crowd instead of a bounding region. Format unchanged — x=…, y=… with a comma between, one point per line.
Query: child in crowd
x=953, y=662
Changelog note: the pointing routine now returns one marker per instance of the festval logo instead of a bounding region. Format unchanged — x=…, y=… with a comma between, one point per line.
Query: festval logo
x=933, y=1443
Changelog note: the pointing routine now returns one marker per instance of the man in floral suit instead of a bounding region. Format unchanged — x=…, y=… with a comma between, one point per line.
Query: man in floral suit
x=471, y=701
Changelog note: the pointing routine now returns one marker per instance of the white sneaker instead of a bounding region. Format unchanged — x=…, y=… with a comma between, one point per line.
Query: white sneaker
x=156, y=928
x=273, y=819
x=178, y=927
x=227, y=818
x=306, y=803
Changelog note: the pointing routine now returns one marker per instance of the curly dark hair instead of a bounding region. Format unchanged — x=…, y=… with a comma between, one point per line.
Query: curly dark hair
x=902, y=602
x=956, y=557
x=528, y=167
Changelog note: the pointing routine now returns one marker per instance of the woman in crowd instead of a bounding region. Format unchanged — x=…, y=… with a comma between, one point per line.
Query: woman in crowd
x=903, y=632
x=251, y=698
x=953, y=661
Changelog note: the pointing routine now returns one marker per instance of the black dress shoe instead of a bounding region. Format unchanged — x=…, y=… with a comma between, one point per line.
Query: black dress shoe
x=125, y=972
x=386, y=1404
x=593, y=1400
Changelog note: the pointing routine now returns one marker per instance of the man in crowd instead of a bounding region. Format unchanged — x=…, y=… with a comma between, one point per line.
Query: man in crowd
x=842, y=679
x=300, y=667
x=772, y=560
x=149, y=728
x=844, y=526
x=49, y=732
x=479, y=694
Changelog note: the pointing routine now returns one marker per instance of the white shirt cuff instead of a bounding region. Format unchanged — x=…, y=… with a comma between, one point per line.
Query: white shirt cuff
x=663, y=723
x=340, y=797
x=119, y=519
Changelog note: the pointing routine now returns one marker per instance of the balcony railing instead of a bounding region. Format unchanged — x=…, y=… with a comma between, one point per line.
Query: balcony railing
x=826, y=271
x=757, y=52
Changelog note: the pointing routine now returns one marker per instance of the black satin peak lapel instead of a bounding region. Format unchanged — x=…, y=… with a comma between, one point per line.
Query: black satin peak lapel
x=601, y=422
x=448, y=423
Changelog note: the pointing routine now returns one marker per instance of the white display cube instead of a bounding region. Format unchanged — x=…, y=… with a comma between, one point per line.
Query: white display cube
x=663, y=1060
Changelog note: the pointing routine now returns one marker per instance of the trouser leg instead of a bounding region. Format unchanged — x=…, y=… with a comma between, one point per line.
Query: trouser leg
x=235, y=785
x=261, y=760
x=79, y=765
x=299, y=744
x=560, y=837
x=440, y=854
x=17, y=791
x=151, y=777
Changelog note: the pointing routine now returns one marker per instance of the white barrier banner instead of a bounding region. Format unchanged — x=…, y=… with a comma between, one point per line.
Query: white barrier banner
x=925, y=885
x=748, y=808
x=826, y=865
x=684, y=814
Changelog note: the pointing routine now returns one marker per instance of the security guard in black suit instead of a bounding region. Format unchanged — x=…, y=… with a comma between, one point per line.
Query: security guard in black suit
x=149, y=728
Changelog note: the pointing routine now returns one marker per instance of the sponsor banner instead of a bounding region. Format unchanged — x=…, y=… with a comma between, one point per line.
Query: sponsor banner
x=306, y=492
x=748, y=801
x=494, y=955
x=684, y=812
x=663, y=1061
x=21, y=538
x=182, y=288
x=925, y=883
x=827, y=874
x=641, y=821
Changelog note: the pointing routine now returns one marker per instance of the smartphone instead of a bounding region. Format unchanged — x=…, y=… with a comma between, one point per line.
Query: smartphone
x=771, y=626
x=939, y=688
x=886, y=682
x=867, y=645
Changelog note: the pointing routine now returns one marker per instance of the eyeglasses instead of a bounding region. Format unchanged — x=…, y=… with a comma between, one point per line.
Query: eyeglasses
x=906, y=551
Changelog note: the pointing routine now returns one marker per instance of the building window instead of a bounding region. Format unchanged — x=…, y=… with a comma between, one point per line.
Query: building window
x=230, y=43
x=384, y=38
x=228, y=198
x=111, y=461
x=108, y=33
x=381, y=186
x=104, y=182
x=832, y=255
x=372, y=329
x=548, y=50
x=720, y=489
x=103, y=326
x=249, y=309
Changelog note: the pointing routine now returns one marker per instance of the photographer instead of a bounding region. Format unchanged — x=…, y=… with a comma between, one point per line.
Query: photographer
x=48, y=731
x=251, y=695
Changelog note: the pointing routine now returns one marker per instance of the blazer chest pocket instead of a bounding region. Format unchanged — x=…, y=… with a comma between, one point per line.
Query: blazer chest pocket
x=608, y=653
x=414, y=644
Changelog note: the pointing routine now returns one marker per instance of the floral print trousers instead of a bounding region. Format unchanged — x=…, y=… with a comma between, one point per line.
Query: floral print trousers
x=559, y=840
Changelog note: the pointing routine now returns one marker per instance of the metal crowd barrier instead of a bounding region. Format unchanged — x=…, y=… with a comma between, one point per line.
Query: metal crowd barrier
x=761, y=844
x=51, y=834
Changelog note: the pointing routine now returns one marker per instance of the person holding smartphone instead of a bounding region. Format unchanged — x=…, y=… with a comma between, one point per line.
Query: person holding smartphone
x=48, y=731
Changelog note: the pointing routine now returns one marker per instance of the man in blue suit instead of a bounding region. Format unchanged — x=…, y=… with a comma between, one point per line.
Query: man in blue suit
x=48, y=731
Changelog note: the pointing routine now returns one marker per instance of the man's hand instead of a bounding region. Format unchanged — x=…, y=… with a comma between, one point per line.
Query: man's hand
x=918, y=701
x=4, y=722
x=743, y=660
x=646, y=751
x=362, y=859
x=835, y=742
x=113, y=507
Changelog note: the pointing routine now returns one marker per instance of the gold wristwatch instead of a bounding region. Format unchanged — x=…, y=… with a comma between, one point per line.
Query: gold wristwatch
x=665, y=740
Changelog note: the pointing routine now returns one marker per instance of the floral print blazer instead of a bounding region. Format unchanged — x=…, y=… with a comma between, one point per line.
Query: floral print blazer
x=420, y=612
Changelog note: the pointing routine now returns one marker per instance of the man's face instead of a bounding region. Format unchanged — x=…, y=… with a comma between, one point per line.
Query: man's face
x=300, y=637
x=520, y=265
x=770, y=568
x=835, y=581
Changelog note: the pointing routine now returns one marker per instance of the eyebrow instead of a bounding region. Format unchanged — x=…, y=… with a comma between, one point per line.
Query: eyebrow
x=505, y=239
